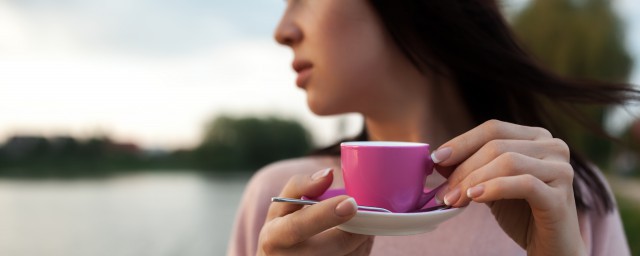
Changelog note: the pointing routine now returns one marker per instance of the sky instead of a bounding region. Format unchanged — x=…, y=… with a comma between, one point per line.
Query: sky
x=155, y=72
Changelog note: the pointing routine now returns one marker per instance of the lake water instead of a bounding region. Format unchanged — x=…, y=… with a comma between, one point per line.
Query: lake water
x=145, y=214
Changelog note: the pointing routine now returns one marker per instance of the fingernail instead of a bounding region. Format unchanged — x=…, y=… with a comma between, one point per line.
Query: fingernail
x=441, y=193
x=475, y=191
x=441, y=155
x=347, y=207
x=452, y=197
x=321, y=174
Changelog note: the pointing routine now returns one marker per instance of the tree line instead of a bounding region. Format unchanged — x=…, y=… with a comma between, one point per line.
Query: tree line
x=229, y=145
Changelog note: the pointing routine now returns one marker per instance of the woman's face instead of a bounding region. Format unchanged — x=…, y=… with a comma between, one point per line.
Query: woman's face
x=345, y=59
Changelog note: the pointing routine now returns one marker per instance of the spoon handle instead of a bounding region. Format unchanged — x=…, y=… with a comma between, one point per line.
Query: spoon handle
x=310, y=202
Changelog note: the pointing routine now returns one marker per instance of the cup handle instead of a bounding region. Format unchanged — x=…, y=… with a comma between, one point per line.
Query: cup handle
x=426, y=197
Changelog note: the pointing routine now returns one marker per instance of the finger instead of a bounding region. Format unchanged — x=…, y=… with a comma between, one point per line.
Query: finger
x=301, y=185
x=333, y=242
x=539, y=195
x=463, y=146
x=513, y=164
x=554, y=150
x=309, y=221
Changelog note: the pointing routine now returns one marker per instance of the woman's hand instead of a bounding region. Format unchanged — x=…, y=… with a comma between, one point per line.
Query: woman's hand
x=293, y=230
x=524, y=175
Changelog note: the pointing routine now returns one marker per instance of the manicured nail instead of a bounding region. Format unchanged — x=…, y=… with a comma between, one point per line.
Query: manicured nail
x=452, y=197
x=347, y=207
x=441, y=155
x=440, y=195
x=321, y=174
x=475, y=191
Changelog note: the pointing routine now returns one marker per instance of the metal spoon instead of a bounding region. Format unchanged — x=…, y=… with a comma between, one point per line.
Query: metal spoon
x=361, y=207
x=428, y=196
x=311, y=202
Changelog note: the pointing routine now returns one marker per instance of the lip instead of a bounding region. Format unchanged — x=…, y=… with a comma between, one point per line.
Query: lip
x=303, y=68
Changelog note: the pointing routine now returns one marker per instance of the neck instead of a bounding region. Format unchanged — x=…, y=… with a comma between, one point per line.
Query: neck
x=419, y=128
x=434, y=119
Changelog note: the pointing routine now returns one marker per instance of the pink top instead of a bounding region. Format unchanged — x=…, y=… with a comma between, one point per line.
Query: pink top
x=473, y=232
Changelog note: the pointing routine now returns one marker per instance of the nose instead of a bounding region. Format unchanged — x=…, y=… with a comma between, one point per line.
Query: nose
x=288, y=32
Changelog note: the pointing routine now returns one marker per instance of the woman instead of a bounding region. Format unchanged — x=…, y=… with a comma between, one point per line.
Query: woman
x=448, y=73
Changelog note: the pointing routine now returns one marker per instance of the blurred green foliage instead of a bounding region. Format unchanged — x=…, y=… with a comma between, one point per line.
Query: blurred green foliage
x=229, y=144
x=581, y=39
x=629, y=213
x=67, y=157
x=249, y=143
x=577, y=38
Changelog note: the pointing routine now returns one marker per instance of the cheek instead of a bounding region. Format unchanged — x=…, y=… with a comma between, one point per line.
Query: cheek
x=355, y=55
x=330, y=93
x=345, y=85
x=355, y=70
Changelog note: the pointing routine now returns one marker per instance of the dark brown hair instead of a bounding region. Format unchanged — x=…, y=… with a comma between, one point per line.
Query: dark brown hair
x=473, y=42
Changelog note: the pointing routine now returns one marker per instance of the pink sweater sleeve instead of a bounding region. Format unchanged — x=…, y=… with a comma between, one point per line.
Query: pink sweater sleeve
x=603, y=233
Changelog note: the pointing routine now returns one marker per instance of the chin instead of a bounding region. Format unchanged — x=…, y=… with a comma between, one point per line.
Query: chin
x=320, y=111
x=322, y=108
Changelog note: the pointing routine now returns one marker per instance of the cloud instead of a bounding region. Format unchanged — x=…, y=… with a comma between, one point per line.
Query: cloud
x=162, y=27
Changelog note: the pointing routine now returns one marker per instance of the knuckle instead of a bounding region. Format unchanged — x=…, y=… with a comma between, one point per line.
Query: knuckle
x=493, y=127
x=492, y=122
x=510, y=161
x=269, y=248
x=268, y=242
x=472, y=180
x=562, y=147
x=296, y=182
x=543, y=133
x=566, y=171
x=496, y=148
x=529, y=183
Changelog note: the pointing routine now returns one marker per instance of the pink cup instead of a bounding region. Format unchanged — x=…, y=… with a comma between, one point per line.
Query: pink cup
x=386, y=174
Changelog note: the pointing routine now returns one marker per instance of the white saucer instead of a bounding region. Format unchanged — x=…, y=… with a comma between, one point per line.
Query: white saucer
x=397, y=224
x=394, y=224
